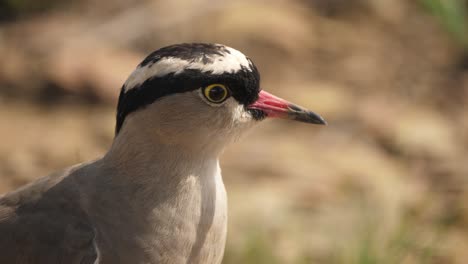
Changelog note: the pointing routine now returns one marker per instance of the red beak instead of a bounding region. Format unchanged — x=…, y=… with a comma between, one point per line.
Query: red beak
x=273, y=106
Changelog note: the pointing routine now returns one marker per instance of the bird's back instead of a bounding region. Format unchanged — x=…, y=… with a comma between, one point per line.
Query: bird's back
x=43, y=223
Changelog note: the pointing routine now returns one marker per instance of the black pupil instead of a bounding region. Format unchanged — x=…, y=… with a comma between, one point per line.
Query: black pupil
x=217, y=93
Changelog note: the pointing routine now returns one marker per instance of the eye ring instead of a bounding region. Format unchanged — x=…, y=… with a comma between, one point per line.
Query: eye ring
x=216, y=93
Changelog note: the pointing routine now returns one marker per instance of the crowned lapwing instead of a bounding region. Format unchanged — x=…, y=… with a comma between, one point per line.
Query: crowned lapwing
x=157, y=195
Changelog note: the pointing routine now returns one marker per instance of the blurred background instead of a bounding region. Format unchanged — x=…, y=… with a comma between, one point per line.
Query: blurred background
x=385, y=182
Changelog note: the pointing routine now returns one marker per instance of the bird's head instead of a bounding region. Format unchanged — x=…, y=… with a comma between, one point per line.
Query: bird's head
x=198, y=95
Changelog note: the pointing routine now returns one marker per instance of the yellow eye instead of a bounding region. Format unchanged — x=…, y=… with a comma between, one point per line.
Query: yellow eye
x=216, y=93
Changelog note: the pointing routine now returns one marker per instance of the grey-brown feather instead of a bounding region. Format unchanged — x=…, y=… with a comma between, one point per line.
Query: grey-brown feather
x=43, y=223
x=157, y=196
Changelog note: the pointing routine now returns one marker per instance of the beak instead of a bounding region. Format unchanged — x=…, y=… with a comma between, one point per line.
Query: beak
x=273, y=106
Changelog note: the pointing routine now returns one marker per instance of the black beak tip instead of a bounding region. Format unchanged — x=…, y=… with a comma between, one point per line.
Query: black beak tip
x=302, y=115
x=311, y=118
x=322, y=122
x=318, y=120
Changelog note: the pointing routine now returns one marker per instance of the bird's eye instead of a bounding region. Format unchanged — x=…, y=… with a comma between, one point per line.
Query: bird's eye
x=216, y=93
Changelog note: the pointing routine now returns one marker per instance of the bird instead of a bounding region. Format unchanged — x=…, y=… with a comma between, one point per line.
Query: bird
x=157, y=194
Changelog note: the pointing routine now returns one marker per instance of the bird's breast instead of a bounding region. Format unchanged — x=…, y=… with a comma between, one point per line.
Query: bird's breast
x=179, y=217
x=191, y=227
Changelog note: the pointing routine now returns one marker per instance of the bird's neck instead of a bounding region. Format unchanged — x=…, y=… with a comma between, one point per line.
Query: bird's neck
x=150, y=159
x=177, y=192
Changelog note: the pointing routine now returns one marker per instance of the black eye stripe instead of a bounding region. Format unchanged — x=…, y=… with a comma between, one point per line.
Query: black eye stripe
x=242, y=85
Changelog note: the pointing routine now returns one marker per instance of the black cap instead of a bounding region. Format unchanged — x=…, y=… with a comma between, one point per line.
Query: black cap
x=186, y=67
